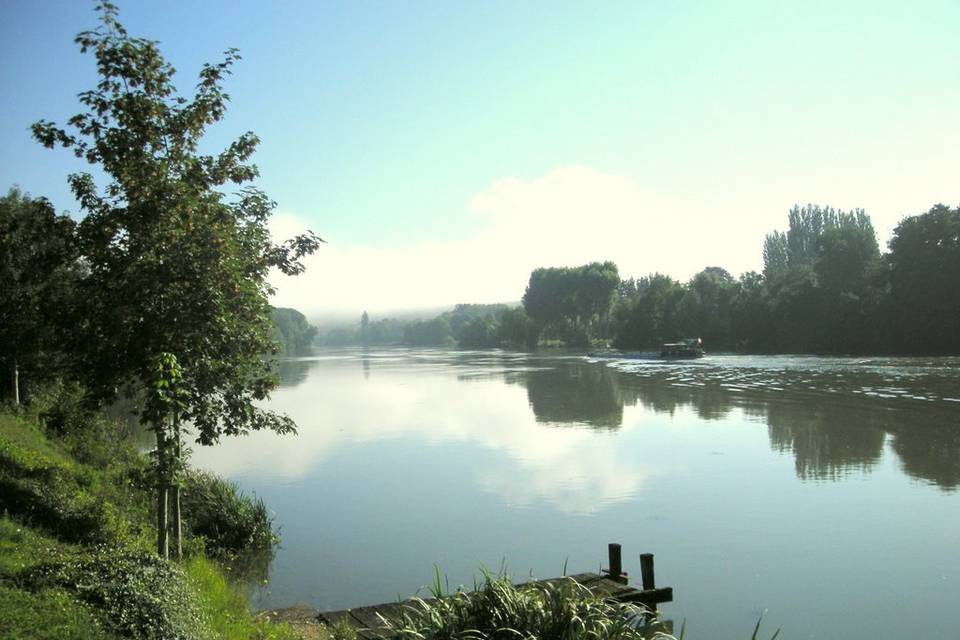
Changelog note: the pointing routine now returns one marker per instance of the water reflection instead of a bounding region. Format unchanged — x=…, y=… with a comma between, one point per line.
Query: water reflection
x=834, y=415
x=827, y=441
x=437, y=398
x=930, y=450
x=293, y=371
x=570, y=393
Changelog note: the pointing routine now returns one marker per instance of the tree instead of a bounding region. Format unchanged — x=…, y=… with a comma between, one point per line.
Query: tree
x=706, y=307
x=750, y=314
x=572, y=301
x=429, y=333
x=479, y=333
x=649, y=317
x=292, y=331
x=820, y=278
x=924, y=265
x=176, y=267
x=515, y=329
x=38, y=271
x=364, y=328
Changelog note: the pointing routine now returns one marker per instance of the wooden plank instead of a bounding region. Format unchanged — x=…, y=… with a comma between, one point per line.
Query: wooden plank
x=331, y=618
x=371, y=617
x=650, y=597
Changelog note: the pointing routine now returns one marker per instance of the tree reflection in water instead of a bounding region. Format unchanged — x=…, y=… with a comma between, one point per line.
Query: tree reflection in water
x=822, y=418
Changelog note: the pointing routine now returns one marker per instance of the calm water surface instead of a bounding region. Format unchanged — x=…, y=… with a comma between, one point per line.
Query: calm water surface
x=821, y=492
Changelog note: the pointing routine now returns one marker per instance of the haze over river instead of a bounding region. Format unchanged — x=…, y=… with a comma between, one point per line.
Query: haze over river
x=822, y=492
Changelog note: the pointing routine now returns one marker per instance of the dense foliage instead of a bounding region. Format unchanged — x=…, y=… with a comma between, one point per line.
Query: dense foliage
x=139, y=594
x=572, y=303
x=292, y=331
x=38, y=271
x=175, y=266
x=924, y=269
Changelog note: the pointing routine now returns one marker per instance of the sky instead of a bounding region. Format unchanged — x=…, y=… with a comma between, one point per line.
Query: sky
x=445, y=149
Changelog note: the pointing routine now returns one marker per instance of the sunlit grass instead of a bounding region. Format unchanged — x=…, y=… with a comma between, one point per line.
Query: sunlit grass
x=225, y=609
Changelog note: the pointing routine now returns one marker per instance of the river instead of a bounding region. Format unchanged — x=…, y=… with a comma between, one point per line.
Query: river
x=821, y=493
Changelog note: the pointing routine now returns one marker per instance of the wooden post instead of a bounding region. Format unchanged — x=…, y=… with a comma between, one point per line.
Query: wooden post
x=616, y=563
x=16, y=384
x=163, y=487
x=175, y=490
x=647, y=579
x=615, y=572
x=646, y=571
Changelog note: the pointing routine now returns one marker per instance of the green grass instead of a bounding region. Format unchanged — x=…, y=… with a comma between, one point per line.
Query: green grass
x=44, y=613
x=76, y=537
x=49, y=614
x=21, y=547
x=25, y=447
x=43, y=486
x=225, y=609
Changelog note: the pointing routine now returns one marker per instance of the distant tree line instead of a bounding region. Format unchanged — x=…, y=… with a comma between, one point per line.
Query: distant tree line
x=469, y=326
x=825, y=288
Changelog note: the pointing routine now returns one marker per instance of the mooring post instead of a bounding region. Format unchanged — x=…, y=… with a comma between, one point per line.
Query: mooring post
x=646, y=571
x=615, y=572
x=616, y=563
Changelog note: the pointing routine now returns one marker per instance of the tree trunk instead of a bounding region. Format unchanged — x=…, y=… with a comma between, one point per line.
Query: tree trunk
x=163, y=537
x=177, y=527
x=16, y=384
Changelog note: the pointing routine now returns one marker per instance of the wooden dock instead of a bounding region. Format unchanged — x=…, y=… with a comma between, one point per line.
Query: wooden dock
x=368, y=621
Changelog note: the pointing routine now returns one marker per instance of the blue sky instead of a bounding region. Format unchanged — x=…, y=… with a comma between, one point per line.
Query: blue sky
x=446, y=148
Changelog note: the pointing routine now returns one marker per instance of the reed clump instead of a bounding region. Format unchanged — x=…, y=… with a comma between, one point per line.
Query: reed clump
x=499, y=610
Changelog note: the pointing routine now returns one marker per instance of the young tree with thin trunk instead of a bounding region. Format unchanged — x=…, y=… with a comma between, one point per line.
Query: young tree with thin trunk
x=176, y=266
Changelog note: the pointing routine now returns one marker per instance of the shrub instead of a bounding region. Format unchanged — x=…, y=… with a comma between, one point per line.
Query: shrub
x=139, y=594
x=230, y=521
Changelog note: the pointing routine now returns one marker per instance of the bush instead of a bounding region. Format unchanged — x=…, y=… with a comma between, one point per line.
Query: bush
x=139, y=594
x=230, y=521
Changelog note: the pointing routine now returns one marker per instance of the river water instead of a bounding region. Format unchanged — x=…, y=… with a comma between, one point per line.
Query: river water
x=821, y=493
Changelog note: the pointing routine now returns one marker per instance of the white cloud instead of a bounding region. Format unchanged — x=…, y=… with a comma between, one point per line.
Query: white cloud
x=570, y=216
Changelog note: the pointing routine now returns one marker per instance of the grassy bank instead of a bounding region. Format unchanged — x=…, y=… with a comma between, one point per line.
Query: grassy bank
x=77, y=533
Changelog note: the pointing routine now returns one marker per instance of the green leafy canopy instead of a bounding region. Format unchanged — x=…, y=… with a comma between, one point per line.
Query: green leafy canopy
x=176, y=266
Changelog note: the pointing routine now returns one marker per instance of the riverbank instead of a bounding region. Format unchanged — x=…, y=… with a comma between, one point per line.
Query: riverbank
x=77, y=539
